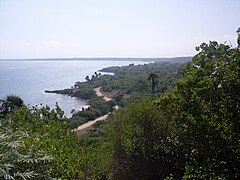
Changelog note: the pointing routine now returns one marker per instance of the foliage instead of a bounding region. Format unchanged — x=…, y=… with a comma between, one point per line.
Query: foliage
x=10, y=103
x=135, y=79
x=47, y=131
x=153, y=78
x=189, y=133
x=145, y=144
x=128, y=84
x=98, y=107
x=84, y=92
x=210, y=100
x=19, y=161
x=97, y=152
x=128, y=80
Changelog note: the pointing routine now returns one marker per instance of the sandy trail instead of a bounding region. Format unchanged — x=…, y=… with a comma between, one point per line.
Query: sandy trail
x=101, y=118
x=90, y=123
x=98, y=93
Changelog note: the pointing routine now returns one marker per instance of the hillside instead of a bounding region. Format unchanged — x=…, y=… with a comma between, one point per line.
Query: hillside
x=188, y=130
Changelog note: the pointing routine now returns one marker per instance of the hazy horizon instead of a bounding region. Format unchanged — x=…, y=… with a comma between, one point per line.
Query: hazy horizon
x=122, y=29
x=96, y=58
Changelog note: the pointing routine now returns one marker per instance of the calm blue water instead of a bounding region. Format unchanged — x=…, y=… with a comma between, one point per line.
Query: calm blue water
x=29, y=80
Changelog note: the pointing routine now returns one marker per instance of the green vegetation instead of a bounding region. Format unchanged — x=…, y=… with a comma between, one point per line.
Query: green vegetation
x=128, y=81
x=10, y=103
x=19, y=161
x=37, y=143
x=189, y=132
x=98, y=107
x=132, y=80
x=128, y=84
x=153, y=78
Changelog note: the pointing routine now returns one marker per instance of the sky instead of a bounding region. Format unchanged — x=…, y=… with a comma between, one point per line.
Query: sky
x=114, y=28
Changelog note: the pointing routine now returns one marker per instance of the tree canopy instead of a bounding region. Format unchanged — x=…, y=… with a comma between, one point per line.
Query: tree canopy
x=189, y=133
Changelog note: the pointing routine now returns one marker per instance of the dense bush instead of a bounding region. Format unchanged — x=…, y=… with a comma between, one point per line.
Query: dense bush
x=98, y=107
x=145, y=144
x=189, y=133
x=21, y=161
x=98, y=103
x=84, y=93
x=42, y=130
x=76, y=121
x=134, y=79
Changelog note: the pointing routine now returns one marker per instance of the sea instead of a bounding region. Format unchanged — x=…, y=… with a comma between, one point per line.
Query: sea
x=29, y=79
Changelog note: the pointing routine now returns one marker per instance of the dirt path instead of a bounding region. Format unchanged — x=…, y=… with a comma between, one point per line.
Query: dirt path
x=90, y=123
x=101, y=118
x=98, y=93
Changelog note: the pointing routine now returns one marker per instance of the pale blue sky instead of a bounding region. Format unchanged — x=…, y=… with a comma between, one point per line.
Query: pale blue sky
x=113, y=28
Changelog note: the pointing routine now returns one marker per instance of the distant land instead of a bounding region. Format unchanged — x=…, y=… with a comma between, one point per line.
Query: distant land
x=173, y=59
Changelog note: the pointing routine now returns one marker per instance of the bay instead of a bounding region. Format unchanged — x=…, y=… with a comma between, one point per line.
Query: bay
x=29, y=80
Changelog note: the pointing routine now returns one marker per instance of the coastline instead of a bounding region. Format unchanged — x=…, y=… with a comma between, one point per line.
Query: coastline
x=84, y=89
x=29, y=79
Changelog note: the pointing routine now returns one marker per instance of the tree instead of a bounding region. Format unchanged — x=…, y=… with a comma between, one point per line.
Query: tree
x=9, y=104
x=192, y=132
x=21, y=161
x=46, y=131
x=238, y=40
x=153, y=78
x=77, y=85
x=93, y=78
x=87, y=78
x=145, y=144
x=208, y=105
x=96, y=74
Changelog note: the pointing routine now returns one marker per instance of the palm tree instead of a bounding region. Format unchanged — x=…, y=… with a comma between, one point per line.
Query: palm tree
x=9, y=104
x=96, y=74
x=153, y=78
x=87, y=78
x=238, y=40
x=77, y=85
x=93, y=78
